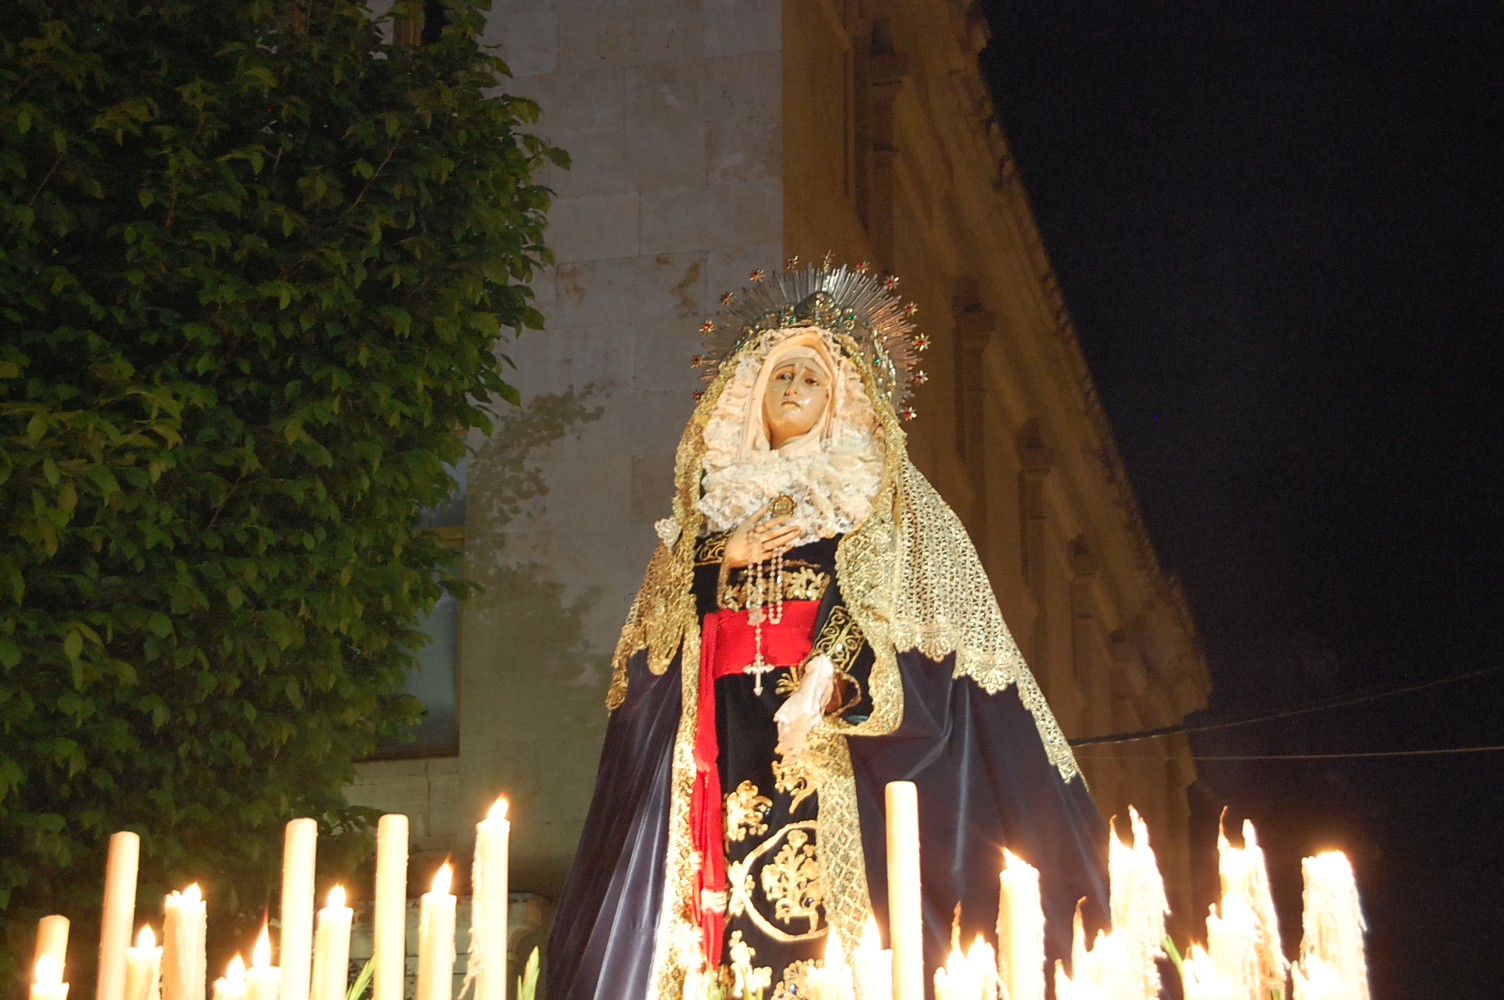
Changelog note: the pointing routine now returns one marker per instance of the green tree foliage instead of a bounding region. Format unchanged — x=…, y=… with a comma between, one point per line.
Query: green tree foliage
x=255, y=262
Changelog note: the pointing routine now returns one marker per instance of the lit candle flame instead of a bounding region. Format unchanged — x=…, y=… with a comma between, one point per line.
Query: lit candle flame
x=236, y=972
x=337, y=898
x=49, y=971
x=498, y=811
x=261, y=955
x=834, y=958
x=146, y=939
x=1011, y=860
x=442, y=879
x=193, y=894
x=871, y=939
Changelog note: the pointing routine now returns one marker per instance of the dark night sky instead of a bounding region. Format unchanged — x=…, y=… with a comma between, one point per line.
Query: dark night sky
x=1280, y=227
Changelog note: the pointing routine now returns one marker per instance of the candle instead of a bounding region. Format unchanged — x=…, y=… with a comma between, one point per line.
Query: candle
x=389, y=930
x=119, y=914
x=143, y=967
x=183, y=961
x=1232, y=942
x=1243, y=872
x=1332, y=922
x=833, y=981
x=299, y=849
x=436, y=939
x=1020, y=929
x=905, y=902
x=1200, y=978
x=1138, y=906
x=52, y=939
x=983, y=962
x=264, y=979
x=1315, y=980
x=232, y=986
x=331, y=948
x=953, y=981
x=873, y=964
x=49, y=983
x=488, y=904
x=1098, y=972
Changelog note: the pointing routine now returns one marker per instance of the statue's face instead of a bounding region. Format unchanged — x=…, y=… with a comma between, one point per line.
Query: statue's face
x=797, y=394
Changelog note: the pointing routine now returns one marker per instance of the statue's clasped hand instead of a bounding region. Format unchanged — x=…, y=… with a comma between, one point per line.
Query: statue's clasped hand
x=756, y=540
x=806, y=706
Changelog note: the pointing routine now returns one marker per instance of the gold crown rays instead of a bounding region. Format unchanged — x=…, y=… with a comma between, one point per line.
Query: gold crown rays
x=845, y=300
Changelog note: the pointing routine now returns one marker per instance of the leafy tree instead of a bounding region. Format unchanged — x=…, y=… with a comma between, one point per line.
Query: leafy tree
x=256, y=260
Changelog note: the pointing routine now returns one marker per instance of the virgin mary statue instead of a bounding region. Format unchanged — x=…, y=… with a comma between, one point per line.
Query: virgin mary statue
x=814, y=624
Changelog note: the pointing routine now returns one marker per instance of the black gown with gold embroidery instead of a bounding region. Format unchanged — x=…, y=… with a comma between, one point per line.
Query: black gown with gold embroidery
x=984, y=780
x=775, y=905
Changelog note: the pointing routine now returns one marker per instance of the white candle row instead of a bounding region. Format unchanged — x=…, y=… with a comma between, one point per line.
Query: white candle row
x=315, y=961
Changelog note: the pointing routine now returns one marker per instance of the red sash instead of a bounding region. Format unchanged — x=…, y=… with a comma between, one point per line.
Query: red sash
x=728, y=644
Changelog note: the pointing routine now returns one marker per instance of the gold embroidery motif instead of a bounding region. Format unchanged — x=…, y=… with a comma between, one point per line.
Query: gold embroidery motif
x=711, y=549
x=785, y=880
x=801, y=582
x=792, y=778
x=745, y=809
x=795, y=982
x=746, y=979
x=793, y=882
x=840, y=639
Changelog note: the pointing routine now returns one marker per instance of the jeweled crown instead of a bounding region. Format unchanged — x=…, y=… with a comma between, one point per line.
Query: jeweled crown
x=849, y=300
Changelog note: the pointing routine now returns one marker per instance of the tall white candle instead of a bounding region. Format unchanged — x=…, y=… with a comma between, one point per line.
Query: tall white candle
x=48, y=982
x=488, y=904
x=264, y=980
x=299, y=850
x=232, y=985
x=119, y=914
x=183, y=960
x=1332, y=922
x=873, y=964
x=331, y=948
x=1243, y=872
x=1020, y=929
x=143, y=967
x=52, y=939
x=1138, y=905
x=905, y=900
x=389, y=924
x=436, y=939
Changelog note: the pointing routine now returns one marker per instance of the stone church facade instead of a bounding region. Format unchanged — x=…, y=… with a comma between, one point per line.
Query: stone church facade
x=709, y=138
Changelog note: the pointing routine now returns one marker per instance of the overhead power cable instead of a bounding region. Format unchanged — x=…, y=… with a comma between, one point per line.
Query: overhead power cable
x=1303, y=756
x=1320, y=706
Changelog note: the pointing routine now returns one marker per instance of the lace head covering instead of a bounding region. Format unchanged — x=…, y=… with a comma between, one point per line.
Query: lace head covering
x=832, y=471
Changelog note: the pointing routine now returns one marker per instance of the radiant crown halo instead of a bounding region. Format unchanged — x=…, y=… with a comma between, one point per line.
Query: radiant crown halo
x=844, y=300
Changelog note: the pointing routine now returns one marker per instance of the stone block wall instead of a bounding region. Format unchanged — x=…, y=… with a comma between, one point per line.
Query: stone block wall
x=671, y=113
